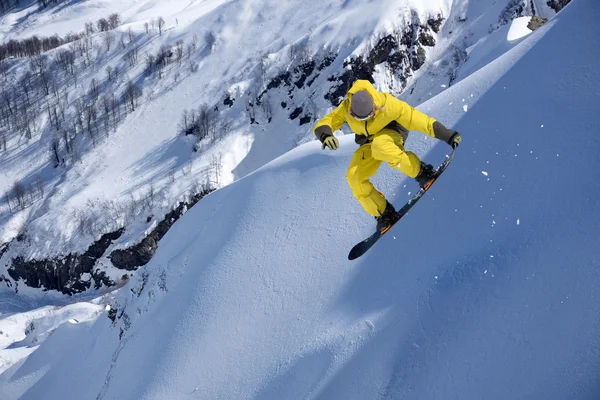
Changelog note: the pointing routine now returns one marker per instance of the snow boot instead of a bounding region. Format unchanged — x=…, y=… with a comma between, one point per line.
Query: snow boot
x=426, y=176
x=387, y=218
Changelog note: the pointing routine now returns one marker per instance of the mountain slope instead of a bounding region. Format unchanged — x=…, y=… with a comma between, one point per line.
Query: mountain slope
x=103, y=185
x=487, y=289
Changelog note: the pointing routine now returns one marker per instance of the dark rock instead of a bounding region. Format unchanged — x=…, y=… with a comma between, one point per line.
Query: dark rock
x=305, y=119
x=296, y=113
x=6, y=280
x=140, y=254
x=284, y=77
x=309, y=83
x=402, y=57
x=418, y=58
x=557, y=5
x=112, y=314
x=426, y=39
x=435, y=23
x=3, y=248
x=327, y=61
x=64, y=274
x=513, y=9
x=382, y=50
x=283, y=104
x=304, y=70
x=228, y=100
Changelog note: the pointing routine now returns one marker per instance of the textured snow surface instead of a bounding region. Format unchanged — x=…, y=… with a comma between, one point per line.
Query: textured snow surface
x=250, y=295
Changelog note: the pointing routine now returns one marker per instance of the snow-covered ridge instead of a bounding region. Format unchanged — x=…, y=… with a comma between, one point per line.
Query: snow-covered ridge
x=118, y=174
x=125, y=164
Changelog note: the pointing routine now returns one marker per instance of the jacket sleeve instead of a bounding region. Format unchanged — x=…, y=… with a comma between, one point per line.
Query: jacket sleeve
x=331, y=122
x=413, y=119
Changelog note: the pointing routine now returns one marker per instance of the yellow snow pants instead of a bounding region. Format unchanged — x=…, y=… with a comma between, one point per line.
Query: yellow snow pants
x=387, y=145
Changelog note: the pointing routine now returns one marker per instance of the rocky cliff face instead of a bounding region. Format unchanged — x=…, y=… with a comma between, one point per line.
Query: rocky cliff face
x=65, y=274
x=402, y=50
x=76, y=273
x=140, y=254
x=557, y=5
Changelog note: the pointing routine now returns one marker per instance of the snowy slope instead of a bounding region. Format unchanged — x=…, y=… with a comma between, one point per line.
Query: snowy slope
x=22, y=333
x=106, y=184
x=146, y=150
x=487, y=289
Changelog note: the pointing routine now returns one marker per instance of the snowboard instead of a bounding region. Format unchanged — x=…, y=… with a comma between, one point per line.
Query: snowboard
x=362, y=247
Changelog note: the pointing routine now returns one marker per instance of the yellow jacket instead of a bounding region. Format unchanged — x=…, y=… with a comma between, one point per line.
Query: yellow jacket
x=388, y=109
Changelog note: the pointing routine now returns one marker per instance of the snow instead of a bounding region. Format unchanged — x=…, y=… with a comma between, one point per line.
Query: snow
x=147, y=148
x=518, y=29
x=250, y=295
x=22, y=333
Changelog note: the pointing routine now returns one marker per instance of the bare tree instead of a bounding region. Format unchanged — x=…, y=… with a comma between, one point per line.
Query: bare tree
x=19, y=192
x=132, y=93
x=116, y=74
x=47, y=81
x=130, y=34
x=222, y=129
x=114, y=20
x=205, y=121
x=39, y=183
x=150, y=61
x=132, y=56
x=161, y=23
x=184, y=124
x=103, y=25
x=216, y=166
x=38, y=64
x=210, y=40
x=68, y=139
x=146, y=27
x=91, y=116
x=94, y=92
x=109, y=74
x=26, y=85
x=7, y=97
x=108, y=40
x=65, y=59
x=179, y=50
x=89, y=28
x=55, y=149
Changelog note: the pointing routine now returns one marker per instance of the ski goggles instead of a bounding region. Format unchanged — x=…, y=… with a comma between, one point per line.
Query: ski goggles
x=356, y=117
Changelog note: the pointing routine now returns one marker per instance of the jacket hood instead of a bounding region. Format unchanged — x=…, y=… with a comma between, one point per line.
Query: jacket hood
x=361, y=84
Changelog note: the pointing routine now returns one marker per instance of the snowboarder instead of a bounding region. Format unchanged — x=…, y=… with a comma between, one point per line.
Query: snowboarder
x=381, y=123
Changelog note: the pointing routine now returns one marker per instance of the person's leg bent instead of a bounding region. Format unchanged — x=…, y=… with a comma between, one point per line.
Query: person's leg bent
x=362, y=167
x=388, y=146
